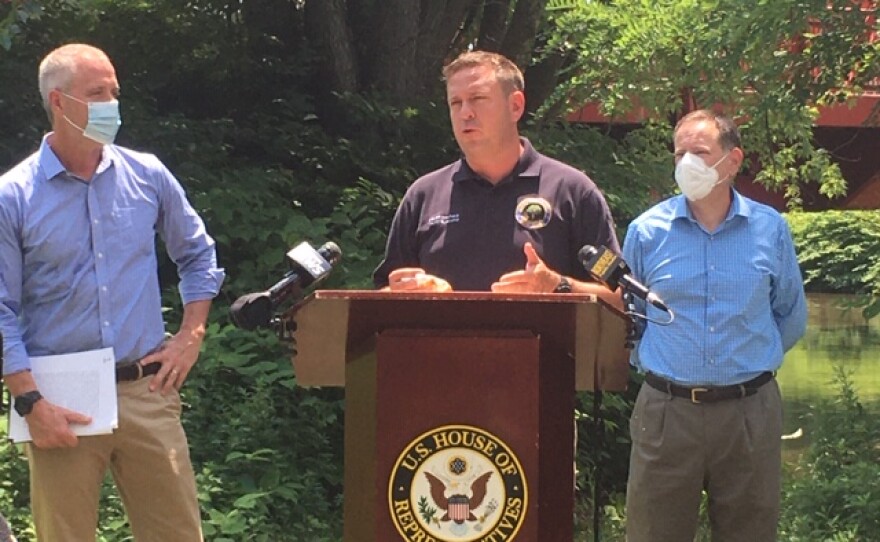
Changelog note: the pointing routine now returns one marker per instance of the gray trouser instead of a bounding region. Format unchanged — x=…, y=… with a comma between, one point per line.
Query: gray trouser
x=731, y=449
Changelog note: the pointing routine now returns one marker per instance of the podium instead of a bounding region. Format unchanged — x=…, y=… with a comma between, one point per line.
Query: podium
x=459, y=406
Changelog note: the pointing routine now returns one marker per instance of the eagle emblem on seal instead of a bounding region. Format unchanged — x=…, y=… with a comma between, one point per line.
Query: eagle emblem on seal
x=458, y=506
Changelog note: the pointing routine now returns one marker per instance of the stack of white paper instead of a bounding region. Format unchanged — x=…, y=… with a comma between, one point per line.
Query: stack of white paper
x=84, y=382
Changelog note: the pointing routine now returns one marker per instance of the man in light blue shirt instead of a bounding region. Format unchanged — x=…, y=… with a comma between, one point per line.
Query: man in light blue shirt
x=709, y=416
x=78, y=272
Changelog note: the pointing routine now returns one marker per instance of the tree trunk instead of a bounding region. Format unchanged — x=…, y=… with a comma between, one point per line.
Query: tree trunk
x=493, y=25
x=327, y=28
x=441, y=23
x=394, y=70
x=521, y=32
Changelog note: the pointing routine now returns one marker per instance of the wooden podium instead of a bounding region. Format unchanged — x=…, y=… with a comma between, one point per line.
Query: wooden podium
x=459, y=406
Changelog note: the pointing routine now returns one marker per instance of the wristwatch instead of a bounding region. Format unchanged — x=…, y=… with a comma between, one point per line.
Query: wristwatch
x=25, y=402
x=564, y=287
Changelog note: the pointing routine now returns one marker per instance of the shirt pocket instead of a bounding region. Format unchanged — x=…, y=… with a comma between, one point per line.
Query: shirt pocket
x=122, y=217
x=131, y=231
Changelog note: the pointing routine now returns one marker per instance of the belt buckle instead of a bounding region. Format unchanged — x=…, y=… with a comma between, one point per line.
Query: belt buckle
x=694, y=392
x=140, y=369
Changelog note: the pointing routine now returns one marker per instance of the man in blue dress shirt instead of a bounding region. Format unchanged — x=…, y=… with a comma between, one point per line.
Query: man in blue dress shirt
x=78, y=272
x=709, y=417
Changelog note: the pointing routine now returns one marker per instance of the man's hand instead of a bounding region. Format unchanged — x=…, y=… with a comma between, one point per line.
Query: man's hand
x=49, y=425
x=177, y=356
x=535, y=278
x=414, y=279
x=179, y=353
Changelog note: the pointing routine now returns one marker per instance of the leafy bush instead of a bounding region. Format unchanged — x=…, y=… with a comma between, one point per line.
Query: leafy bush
x=832, y=495
x=839, y=251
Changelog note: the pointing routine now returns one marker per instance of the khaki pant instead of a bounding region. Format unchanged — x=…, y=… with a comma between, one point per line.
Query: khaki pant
x=731, y=449
x=149, y=459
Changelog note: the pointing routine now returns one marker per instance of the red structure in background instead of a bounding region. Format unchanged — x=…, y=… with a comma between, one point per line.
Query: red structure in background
x=849, y=132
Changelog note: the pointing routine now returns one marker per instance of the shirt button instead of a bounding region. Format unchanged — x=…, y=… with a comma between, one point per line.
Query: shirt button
x=711, y=328
x=103, y=288
x=106, y=323
x=96, y=221
x=100, y=255
x=711, y=268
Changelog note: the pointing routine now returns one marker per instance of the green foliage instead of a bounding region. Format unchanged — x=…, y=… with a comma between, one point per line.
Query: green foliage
x=267, y=453
x=14, y=489
x=604, y=442
x=761, y=60
x=839, y=251
x=12, y=15
x=832, y=496
x=603, y=460
x=632, y=171
x=224, y=95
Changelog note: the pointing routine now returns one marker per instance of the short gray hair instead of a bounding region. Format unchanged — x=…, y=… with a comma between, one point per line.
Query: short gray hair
x=59, y=67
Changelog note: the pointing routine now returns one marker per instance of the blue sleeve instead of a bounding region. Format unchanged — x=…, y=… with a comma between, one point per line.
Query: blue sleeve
x=632, y=253
x=187, y=241
x=14, y=352
x=787, y=297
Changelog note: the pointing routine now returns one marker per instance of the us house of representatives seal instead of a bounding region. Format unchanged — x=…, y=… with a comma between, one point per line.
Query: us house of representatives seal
x=457, y=483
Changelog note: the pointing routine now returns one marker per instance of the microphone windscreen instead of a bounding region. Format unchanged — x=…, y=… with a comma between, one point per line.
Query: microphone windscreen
x=331, y=252
x=251, y=311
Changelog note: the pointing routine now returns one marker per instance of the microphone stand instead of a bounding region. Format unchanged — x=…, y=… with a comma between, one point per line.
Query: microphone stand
x=634, y=331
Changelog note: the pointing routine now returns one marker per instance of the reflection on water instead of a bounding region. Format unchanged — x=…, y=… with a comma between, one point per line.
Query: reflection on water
x=835, y=336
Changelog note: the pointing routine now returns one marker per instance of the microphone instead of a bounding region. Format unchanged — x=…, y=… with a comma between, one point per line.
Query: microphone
x=307, y=266
x=609, y=269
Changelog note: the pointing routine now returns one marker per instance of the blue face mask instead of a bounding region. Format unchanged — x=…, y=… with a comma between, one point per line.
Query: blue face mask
x=104, y=120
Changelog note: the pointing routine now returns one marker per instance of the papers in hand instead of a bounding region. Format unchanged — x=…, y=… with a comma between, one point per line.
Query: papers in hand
x=84, y=382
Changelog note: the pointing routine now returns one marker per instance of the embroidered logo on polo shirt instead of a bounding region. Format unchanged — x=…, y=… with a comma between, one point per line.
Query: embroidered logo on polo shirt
x=443, y=219
x=533, y=212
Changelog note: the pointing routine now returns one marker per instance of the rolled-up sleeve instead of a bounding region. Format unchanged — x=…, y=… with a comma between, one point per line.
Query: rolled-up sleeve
x=187, y=242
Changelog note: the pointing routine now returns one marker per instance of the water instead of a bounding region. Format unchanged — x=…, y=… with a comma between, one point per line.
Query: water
x=835, y=336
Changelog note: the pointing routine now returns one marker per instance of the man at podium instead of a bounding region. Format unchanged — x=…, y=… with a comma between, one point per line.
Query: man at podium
x=504, y=217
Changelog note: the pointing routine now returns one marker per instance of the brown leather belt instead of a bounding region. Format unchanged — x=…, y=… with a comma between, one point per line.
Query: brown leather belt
x=708, y=394
x=133, y=370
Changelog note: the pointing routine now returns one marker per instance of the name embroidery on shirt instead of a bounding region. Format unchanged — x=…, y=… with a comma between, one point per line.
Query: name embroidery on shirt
x=443, y=219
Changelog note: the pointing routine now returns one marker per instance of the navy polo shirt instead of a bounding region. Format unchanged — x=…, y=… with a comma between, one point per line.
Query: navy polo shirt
x=458, y=226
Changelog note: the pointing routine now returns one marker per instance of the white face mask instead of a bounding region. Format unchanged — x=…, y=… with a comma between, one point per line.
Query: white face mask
x=104, y=120
x=694, y=177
